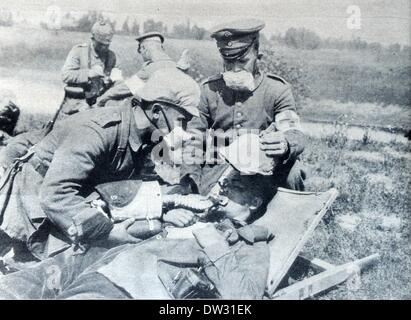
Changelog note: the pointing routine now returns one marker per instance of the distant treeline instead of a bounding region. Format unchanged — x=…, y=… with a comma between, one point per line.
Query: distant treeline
x=129, y=27
x=302, y=38
x=297, y=38
x=6, y=18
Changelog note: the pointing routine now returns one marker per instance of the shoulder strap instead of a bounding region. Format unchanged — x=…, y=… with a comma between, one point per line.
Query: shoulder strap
x=276, y=77
x=85, y=55
x=110, y=62
x=88, y=62
x=15, y=167
x=123, y=135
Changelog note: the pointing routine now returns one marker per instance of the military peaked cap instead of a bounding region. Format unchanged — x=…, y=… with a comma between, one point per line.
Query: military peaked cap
x=234, y=39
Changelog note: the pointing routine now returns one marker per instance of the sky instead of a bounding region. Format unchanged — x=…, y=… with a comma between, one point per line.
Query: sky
x=385, y=21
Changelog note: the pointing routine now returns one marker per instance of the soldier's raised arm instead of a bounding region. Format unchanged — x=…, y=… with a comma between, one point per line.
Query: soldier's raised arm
x=286, y=123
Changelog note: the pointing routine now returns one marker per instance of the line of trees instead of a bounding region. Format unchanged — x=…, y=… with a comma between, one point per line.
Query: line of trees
x=130, y=26
x=302, y=38
x=297, y=38
x=6, y=18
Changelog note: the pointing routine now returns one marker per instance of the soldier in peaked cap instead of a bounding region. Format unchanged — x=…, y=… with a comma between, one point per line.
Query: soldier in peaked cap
x=243, y=98
x=150, y=47
x=90, y=69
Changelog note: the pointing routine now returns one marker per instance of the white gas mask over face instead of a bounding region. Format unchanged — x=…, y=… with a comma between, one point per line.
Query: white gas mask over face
x=239, y=81
x=175, y=139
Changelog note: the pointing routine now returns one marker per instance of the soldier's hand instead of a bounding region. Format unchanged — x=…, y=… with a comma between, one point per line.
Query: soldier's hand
x=179, y=217
x=273, y=143
x=119, y=234
x=101, y=102
x=209, y=236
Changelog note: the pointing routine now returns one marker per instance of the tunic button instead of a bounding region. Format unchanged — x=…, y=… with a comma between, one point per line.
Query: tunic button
x=239, y=114
x=238, y=126
x=238, y=104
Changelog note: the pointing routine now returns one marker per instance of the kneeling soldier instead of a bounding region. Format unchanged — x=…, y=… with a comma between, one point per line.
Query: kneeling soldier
x=45, y=203
x=90, y=69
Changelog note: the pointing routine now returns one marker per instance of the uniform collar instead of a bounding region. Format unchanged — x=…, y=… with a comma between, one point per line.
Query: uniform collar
x=259, y=80
x=159, y=56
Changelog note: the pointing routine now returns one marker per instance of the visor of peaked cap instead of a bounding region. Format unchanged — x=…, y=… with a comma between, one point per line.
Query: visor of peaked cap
x=103, y=32
x=119, y=193
x=153, y=35
x=173, y=86
x=245, y=155
x=235, y=38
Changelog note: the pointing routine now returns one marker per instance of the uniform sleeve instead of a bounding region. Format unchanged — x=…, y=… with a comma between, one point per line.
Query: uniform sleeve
x=137, y=81
x=71, y=71
x=145, y=72
x=284, y=101
x=238, y=272
x=134, y=84
x=116, y=73
x=194, y=151
x=202, y=123
x=68, y=173
x=288, y=121
x=119, y=91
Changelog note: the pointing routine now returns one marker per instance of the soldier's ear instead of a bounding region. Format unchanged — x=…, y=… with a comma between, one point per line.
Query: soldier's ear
x=155, y=110
x=256, y=203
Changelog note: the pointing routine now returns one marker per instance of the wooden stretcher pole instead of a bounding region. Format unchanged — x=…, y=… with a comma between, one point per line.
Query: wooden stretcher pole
x=325, y=280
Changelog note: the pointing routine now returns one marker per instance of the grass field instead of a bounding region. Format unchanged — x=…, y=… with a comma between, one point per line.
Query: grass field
x=360, y=88
x=373, y=180
x=359, y=76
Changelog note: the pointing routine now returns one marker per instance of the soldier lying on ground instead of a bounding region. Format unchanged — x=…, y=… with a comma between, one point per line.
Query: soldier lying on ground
x=45, y=201
x=225, y=259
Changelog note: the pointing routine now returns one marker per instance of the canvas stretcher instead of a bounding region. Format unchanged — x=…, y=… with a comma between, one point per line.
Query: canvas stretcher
x=292, y=216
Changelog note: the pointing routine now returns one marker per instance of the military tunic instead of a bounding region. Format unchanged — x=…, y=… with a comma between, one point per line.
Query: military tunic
x=137, y=81
x=55, y=187
x=79, y=61
x=229, y=113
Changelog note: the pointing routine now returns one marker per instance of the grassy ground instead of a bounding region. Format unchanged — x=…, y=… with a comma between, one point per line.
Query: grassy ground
x=359, y=76
x=373, y=181
x=390, y=117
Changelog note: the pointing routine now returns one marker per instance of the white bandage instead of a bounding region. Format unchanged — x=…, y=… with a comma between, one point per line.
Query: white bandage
x=288, y=120
x=147, y=204
x=116, y=75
